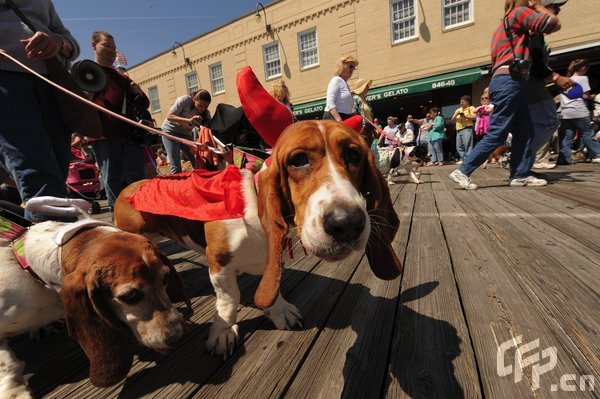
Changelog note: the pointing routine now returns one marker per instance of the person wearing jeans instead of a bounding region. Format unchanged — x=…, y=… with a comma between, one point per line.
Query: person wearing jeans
x=576, y=116
x=508, y=94
x=464, y=117
x=35, y=143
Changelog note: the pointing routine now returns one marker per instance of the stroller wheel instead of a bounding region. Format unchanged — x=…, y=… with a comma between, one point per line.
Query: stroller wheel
x=96, y=209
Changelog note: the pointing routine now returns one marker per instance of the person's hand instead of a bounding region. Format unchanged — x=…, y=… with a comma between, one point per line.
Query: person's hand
x=597, y=136
x=564, y=83
x=534, y=3
x=196, y=120
x=42, y=45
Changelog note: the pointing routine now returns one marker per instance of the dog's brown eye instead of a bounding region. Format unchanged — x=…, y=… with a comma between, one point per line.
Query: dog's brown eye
x=298, y=160
x=352, y=155
x=131, y=297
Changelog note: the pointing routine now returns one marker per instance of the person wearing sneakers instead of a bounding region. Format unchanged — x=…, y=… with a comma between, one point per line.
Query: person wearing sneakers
x=510, y=69
x=464, y=117
x=541, y=103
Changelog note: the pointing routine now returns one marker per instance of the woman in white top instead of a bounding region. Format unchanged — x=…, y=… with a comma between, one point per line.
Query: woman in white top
x=339, y=101
x=576, y=116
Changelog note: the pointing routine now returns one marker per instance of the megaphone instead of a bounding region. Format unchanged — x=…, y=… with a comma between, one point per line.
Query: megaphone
x=89, y=76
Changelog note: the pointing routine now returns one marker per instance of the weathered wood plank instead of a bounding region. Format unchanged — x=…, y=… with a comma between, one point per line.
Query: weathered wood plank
x=352, y=361
x=431, y=354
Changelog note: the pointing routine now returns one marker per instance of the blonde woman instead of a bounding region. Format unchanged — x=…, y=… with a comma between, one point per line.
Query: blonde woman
x=339, y=103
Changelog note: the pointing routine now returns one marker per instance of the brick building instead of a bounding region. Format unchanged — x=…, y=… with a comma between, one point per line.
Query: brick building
x=419, y=53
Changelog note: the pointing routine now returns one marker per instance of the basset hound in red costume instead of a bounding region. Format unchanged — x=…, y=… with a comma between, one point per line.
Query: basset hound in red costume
x=322, y=186
x=112, y=287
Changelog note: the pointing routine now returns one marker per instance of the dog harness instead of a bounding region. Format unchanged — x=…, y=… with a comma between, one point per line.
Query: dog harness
x=46, y=270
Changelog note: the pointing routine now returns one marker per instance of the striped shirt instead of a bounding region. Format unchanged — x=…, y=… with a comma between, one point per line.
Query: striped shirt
x=522, y=22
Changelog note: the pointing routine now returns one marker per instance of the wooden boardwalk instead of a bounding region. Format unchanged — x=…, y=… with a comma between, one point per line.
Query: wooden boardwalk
x=494, y=268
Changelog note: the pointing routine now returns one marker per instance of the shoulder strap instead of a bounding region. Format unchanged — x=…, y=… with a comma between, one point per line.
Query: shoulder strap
x=509, y=36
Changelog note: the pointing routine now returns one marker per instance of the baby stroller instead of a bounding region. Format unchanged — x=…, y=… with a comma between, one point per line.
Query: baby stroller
x=83, y=180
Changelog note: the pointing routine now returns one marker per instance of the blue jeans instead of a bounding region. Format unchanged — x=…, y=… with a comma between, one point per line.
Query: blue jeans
x=545, y=122
x=35, y=144
x=173, y=147
x=511, y=114
x=121, y=162
x=567, y=132
x=464, y=142
x=436, y=150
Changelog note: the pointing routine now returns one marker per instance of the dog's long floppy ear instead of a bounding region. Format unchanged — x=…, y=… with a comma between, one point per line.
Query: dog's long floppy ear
x=384, y=223
x=273, y=204
x=175, y=287
x=108, y=346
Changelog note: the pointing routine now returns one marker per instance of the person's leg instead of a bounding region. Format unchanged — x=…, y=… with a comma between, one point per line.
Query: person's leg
x=468, y=140
x=133, y=163
x=105, y=159
x=505, y=91
x=566, y=133
x=172, y=148
x=584, y=126
x=460, y=145
x=521, y=155
x=34, y=142
x=437, y=146
x=545, y=121
x=432, y=150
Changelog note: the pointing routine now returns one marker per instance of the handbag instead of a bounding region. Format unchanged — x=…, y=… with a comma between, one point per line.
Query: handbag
x=78, y=116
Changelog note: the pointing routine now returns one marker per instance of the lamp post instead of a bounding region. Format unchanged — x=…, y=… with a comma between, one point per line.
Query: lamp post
x=185, y=59
x=257, y=16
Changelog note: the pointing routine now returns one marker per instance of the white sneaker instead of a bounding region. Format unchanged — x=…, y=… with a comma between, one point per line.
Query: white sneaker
x=463, y=180
x=527, y=181
x=459, y=162
x=596, y=160
x=545, y=165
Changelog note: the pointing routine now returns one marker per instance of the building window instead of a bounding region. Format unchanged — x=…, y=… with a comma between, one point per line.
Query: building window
x=404, y=20
x=271, y=59
x=307, y=45
x=153, y=96
x=216, y=78
x=456, y=12
x=191, y=82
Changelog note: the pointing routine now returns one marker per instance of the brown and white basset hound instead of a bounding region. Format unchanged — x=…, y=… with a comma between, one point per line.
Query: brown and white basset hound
x=322, y=186
x=113, y=288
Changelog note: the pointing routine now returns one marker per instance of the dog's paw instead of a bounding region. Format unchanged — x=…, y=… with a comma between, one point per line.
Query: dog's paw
x=284, y=315
x=222, y=342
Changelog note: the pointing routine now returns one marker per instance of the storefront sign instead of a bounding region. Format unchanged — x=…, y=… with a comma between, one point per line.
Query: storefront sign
x=444, y=81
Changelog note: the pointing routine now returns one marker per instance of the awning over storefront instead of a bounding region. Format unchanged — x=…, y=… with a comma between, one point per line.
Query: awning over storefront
x=444, y=81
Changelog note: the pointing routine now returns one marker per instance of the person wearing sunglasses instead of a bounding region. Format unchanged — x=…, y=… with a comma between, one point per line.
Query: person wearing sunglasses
x=340, y=103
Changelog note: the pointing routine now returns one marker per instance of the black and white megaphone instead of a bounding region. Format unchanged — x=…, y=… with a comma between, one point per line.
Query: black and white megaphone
x=89, y=76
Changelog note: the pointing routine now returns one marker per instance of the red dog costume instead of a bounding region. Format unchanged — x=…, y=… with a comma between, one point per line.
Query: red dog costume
x=205, y=196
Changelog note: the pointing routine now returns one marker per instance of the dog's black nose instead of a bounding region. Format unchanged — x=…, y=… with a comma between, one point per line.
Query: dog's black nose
x=344, y=226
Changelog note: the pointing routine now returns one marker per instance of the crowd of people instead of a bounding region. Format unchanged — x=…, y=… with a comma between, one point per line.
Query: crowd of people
x=517, y=103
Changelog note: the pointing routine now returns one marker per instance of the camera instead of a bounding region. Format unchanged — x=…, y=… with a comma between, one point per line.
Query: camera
x=520, y=67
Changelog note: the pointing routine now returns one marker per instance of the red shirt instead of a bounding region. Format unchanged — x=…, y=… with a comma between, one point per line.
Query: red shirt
x=522, y=21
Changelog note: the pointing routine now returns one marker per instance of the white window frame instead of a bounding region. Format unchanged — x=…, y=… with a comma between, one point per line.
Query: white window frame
x=154, y=99
x=215, y=80
x=393, y=22
x=191, y=88
x=268, y=74
x=301, y=52
x=454, y=3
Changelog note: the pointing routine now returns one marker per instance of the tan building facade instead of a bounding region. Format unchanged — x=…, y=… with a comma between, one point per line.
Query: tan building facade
x=419, y=53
